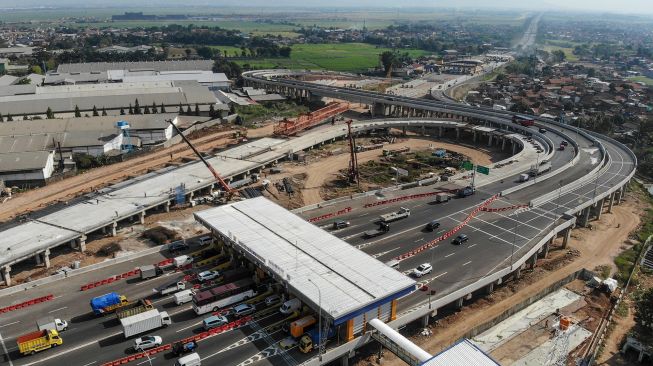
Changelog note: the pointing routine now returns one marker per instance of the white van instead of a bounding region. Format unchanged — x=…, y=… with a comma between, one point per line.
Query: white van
x=183, y=297
x=192, y=359
x=290, y=306
x=206, y=240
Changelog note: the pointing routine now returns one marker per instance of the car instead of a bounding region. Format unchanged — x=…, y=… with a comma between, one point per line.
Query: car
x=460, y=239
x=542, y=130
x=178, y=246
x=214, y=321
x=339, y=224
x=147, y=342
x=207, y=275
x=181, y=347
x=564, y=142
x=287, y=343
x=243, y=309
x=272, y=299
x=422, y=269
x=433, y=225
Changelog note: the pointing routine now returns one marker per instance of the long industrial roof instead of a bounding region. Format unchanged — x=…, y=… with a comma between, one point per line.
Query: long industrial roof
x=305, y=256
x=145, y=65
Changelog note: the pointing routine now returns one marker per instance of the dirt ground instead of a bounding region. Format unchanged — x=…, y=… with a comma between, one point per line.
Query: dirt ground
x=587, y=249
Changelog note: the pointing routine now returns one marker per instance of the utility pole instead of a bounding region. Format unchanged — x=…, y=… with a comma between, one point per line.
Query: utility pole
x=354, y=175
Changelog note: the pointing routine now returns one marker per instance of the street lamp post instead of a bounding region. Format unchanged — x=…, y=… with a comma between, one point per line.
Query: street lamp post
x=319, y=320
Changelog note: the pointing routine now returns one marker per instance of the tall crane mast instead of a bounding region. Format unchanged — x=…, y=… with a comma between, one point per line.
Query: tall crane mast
x=230, y=192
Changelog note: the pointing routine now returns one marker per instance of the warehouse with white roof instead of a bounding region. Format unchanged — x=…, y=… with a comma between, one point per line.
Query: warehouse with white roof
x=323, y=271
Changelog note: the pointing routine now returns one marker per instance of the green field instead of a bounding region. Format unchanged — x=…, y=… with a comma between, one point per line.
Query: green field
x=337, y=57
x=569, y=54
x=641, y=79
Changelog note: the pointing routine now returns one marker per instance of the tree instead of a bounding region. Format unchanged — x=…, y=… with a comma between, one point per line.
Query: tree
x=388, y=60
x=188, y=51
x=147, y=109
x=154, y=110
x=36, y=69
x=131, y=110
x=285, y=51
x=197, y=109
x=24, y=81
x=519, y=107
x=104, y=111
x=95, y=112
x=229, y=68
x=49, y=114
x=137, y=108
x=25, y=117
x=205, y=52
x=122, y=111
x=78, y=113
x=9, y=118
x=644, y=309
x=212, y=113
x=163, y=108
x=189, y=111
x=558, y=56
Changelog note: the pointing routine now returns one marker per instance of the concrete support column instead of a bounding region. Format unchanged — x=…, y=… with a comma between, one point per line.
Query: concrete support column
x=457, y=133
x=489, y=140
x=166, y=206
x=514, y=147
x=533, y=261
x=545, y=250
x=440, y=131
x=459, y=303
x=611, y=202
x=622, y=193
x=517, y=273
x=474, y=138
x=113, y=228
x=425, y=320
x=37, y=259
x=598, y=209
x=403, y=131
x=565, y=238
x=344, y=360
x=585, y=216
x=6, y=275
x=489, y=288
x=141, y=217
x=46, y=258
x=81, y=243
x=503, y=143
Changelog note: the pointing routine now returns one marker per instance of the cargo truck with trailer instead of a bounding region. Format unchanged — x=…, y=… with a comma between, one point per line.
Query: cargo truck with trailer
x=393, y=216
x=144, y=322
x=136, y=308
x=108, y=303
x=383, y=228
x=540, y=169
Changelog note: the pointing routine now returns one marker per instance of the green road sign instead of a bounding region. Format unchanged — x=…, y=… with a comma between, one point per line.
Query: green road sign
x=483, y=169
x=467, y=165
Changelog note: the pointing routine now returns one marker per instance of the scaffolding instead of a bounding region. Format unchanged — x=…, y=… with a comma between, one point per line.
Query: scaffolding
x=291, y=127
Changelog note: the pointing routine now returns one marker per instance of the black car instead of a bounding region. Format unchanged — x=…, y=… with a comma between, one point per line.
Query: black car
x=178, y=246
x=460, y=239
x=542, y=130
x=184, y=347
x=340, y=224
x=433, y=225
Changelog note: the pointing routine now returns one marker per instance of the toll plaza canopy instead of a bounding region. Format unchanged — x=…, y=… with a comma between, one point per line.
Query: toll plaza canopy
x=295, y=251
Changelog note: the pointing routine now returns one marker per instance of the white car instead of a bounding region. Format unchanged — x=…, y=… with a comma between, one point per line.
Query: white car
x=208, y=275
x=422, y=269
x=147, y=342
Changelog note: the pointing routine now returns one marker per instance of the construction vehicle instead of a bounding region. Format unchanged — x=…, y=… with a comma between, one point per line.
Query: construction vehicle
x=383, y=228
x=135, y=308
x=38, y=341
x=228, y=190
x=387, y=152
x=108, y=303
x=311, y=339
x=144, y=322
x=401, y=214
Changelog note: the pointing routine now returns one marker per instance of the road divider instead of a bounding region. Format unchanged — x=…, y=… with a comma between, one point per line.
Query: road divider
x=27, y=303
x=329, y=215
x=109, y=280
x=449, y=233
x=501, y=209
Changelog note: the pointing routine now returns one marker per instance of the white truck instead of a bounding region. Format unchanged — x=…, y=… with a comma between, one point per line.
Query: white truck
x=442, y=197
x=182, y=260
x=170, y=288
x=402, y=213
x=144, y=322
x=540, y=169
x=52, y=324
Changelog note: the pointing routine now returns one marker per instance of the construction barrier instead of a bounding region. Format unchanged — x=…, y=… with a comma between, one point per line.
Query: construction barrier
x=406, y=198
x=27, y=303
x=332, y=214
x=139, y=355
x=105, y=281
x=449, y=233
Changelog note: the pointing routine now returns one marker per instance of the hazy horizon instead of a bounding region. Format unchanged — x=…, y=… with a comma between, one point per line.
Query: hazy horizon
x=625, y=7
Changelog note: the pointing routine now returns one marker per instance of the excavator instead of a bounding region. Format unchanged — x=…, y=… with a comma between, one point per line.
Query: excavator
x=229, y=192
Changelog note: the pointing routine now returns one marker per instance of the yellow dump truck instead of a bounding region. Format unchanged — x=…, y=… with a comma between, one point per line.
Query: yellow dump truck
x=38, y=341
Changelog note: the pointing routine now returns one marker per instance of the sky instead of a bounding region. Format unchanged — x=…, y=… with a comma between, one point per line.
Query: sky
x=622, y=6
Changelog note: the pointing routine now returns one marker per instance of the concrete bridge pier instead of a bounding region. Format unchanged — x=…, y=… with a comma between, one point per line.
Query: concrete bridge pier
x=514, y=147
x=166, y=206
x=81, y=243
x=532, y=262
x=344, y=360
x=489, y=288
x=458, y=304
x=489, y=140
x=440, y=131
x=565, y=238
x=544, y=252
x=46, y=258
x=6, y=275
x=516, y=274
x=503, y=143
x=114, y=226
x=584, y=216
x=598, y=209
x=457, y=133
x=611, y=203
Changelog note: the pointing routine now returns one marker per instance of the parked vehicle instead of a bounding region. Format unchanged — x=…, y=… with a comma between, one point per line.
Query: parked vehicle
x=312, y=338
x=192, y=359
x=243, y=310
x=207, y=275
x=178, y=246
x=442, y=197
x=539, y=169
x=38, y=341
x=135, y=308
x=300, y=326
x=272, y=299
x=205, y=240
x=214, y=321
x=465, y=192
x=290, y=306
x=462, y=238
x=383, y=228
x=182, y=260
x=433, y=225
x=402, y=213
x=147, y=342
x=422, y=269
x=222, y=296
x=183, y=297
x=170, y=288
x=524, y=177
x=51, y=324
x=179, y=348
x=150, y=271
x=144, y=322
x=339, y=224
x=108, y=303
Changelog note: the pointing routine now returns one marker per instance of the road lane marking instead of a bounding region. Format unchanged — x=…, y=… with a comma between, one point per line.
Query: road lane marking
x=471, y=246
x=188, y=327
x=90, y=363
x=4, y=347
x=449, y=255
x=466, y=263
x=420, y=239
x=8, y=324
x=62, y=308
x=148, y=360
x=68, y=350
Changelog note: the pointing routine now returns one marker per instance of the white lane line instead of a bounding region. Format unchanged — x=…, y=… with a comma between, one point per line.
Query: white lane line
x=363, y=215
x=8, y=324
x=4, y=347
x=471, y=246
x=90, y=363
x=188, y=327
x=146, y=361
x=420, y=239
x=466, y=263
x=52, y=311
x=449, y=255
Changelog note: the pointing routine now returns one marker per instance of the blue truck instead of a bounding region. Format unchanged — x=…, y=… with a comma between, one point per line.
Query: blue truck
x=108, y=303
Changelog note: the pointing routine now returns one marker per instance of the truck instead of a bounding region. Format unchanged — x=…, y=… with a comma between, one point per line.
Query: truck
x=144, y=322
x=383, y=228
x=299, y=326
x=467, y=191
x=108, y=303
x=539, y=169
x=182, y=260
x=402, y=213
x=442, y=197
x=150, y=271
x=524, y=177
x=170, y=288
x=52, y=324
x=38, y=341
x=135, y=308
x=311, y=339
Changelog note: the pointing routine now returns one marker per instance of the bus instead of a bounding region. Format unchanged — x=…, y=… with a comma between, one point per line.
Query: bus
x=222, y=296
x=523, y=120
